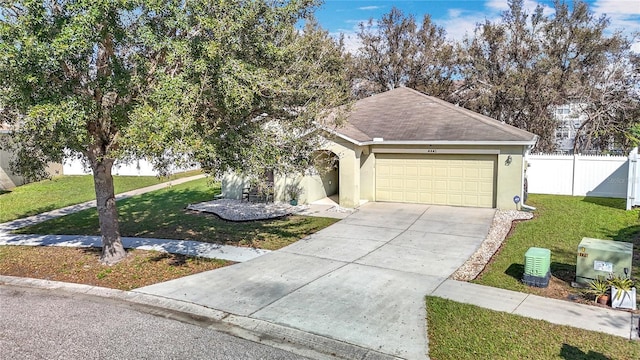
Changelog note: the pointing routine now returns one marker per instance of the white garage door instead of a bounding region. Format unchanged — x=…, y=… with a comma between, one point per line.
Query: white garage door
x=460, y=180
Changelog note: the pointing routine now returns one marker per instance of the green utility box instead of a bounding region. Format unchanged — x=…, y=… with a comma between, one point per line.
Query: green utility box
x=537, y=261
x=537, y=267
x=601, y=258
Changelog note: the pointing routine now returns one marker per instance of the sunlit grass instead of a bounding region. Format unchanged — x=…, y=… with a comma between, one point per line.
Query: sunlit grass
x=461, y=331
x=163, y=214
x=61, y=191
x=560, y=223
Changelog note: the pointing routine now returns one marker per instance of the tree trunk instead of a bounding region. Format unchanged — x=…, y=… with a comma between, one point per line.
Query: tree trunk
x=112, y=249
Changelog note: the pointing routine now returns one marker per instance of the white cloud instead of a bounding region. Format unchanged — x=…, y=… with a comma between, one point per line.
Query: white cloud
x=610, y=7
x=350, y=39
x=529, y=6
x=459, y=26
x=372, y=7
x=497, y=5
x=624, y=15
x=454, y=12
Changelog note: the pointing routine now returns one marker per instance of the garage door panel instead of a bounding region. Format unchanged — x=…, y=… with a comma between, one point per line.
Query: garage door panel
x=456, y=185
x=463, y=180
x=383, y=183
x=440, y=185
x=411, y=184
x=485, y=188
x=383, y=171
x=440, y=171
x=425, y=171
x=472, y=173
x=471, y=187
x=396, y=171
x=456, y=172
x=411, y=170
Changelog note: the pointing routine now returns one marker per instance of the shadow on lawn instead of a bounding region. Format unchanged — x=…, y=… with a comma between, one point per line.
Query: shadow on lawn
x=176, y=260
x=614, y=203
x=569, y=352
x=163, y=214
x=629, y=234
x=562, y=271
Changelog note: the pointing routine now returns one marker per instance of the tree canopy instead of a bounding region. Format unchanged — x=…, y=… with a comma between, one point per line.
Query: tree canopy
x=397, y=51
x=517, y=69
x=234, y=85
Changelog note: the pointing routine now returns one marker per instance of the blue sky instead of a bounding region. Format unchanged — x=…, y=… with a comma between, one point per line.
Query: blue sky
x=459, y=16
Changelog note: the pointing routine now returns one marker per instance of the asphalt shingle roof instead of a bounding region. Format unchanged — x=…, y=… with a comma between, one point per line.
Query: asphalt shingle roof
x=403, y=114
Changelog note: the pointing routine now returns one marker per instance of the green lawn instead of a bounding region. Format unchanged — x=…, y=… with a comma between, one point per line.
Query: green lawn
x=461, y=331
x=61, y=191
x=162, y=214
x=560, y=223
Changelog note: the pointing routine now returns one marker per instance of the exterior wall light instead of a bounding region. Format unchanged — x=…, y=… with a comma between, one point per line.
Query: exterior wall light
x=508, y=161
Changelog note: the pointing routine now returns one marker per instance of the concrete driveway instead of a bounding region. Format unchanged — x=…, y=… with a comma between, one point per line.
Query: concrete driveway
x=361, y=280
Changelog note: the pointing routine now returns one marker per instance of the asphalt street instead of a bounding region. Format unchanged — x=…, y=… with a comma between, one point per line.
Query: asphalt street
x=46, y=324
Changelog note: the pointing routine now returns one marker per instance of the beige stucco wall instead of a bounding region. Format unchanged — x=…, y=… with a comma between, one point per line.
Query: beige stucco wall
x=349, y=158
x=9, y=180
x=367, y=176
x=232, y=185
x=314, y=187
x=510, y=178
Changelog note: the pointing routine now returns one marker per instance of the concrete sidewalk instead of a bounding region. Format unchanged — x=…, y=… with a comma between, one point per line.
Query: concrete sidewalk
x=594, y=318
x=185, y=247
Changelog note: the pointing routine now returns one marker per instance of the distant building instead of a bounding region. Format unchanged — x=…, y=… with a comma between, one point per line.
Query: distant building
x=9, y=179
x=570, y=118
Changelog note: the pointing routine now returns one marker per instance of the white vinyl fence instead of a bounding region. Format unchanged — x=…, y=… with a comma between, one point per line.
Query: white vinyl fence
x=74, y=166
x=584, y=175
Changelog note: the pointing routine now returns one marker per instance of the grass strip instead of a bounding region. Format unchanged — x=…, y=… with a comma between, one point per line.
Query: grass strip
x=61, y=191
x=460, y=331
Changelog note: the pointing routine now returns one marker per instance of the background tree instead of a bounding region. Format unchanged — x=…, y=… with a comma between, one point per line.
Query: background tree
x=519, y=69
x=166, y=79
x=396, y=52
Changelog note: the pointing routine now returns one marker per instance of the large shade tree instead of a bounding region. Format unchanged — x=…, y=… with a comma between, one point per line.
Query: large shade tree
x=398, y=51
x=232, y=84
x=520, y=68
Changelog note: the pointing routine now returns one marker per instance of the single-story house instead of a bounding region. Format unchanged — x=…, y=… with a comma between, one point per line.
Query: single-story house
x=404, y=146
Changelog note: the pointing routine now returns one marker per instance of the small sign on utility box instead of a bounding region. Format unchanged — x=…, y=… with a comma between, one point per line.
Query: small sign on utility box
x=602, y=258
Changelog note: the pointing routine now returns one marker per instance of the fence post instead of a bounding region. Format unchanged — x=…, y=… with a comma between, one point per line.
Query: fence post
x=632, y=178
x=574, y=178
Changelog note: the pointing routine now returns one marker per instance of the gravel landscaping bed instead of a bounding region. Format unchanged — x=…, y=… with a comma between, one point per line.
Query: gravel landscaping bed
x=238, y=210
x=498, y=231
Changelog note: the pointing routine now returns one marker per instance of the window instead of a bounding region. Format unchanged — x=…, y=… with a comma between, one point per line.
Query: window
x=563, y=110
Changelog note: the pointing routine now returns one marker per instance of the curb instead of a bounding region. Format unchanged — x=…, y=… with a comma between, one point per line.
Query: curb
x=289, y=339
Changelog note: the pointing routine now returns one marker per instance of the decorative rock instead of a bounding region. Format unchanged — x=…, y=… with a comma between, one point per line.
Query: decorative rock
x=499, y=229
x=238, y=210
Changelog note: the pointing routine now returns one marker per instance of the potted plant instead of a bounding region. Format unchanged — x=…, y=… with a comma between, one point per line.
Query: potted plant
x=600, y=288
x=623, y=293
x=293, y=190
